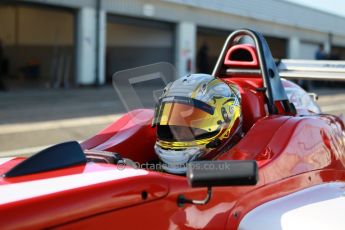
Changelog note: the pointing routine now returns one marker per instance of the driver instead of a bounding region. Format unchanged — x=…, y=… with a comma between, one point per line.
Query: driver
x=197, y=118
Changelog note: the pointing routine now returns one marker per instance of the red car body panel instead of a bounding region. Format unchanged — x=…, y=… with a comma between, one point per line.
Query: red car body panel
x=122, y=136
x=293, y=152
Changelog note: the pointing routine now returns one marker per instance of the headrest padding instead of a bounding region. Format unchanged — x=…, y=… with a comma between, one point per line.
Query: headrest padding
x=242, y=55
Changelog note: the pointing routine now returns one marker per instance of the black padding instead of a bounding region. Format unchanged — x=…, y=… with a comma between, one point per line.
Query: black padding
x=222, y=173
x=241, y=55
x=55, y=157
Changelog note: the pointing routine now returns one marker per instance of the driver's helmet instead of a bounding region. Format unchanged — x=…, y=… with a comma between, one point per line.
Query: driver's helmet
x=196, y=118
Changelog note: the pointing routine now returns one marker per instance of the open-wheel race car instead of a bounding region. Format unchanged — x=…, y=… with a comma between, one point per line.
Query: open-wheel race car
x=287, y=170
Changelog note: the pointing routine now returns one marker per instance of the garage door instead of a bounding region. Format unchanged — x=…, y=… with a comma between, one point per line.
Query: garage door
x=133, y=42
x=278, y=47
x=209, y=44
x=38, y=52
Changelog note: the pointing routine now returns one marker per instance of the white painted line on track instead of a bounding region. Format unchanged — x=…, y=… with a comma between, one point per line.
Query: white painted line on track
x=331, y=108
x=57, y=124
x=331, y=97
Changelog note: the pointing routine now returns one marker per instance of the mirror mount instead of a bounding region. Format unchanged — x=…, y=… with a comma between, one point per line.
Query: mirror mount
x=218, y=173
x=181, y=199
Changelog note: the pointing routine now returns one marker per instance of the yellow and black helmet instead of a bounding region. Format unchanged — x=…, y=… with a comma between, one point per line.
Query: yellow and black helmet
x=196, y=116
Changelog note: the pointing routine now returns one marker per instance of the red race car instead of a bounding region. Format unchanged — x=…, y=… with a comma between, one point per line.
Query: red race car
x=286, y=172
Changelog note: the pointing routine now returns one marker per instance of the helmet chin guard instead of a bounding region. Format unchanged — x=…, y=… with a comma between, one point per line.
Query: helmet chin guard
x=175, y=161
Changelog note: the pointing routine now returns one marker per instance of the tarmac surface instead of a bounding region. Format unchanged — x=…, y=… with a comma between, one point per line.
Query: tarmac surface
x=31, y=120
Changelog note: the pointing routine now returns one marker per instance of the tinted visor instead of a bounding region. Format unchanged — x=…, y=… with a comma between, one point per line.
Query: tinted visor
x=185, y=119
x=182, y=133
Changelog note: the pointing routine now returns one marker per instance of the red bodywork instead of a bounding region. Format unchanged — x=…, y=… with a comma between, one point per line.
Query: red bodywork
x=293, y=152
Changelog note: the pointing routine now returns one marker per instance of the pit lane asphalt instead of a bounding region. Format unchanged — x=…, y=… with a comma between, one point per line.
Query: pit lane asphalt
x=31, y=120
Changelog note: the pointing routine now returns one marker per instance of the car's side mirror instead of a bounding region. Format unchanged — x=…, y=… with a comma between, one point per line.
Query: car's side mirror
x=219, y=173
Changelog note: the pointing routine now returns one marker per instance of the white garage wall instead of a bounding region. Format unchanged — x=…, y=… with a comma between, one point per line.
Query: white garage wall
x=308, y=50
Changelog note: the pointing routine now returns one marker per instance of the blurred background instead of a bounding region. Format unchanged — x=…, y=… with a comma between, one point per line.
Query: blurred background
x=57, y=57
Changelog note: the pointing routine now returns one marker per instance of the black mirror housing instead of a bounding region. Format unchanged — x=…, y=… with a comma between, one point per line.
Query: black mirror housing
x=222, y=173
